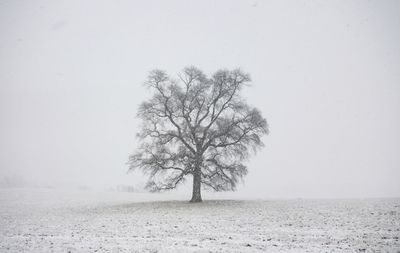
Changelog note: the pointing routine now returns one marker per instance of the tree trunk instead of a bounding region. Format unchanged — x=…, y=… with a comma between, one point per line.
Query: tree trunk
x=196, y=194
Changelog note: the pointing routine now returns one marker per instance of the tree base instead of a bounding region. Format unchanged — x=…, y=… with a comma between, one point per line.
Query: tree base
x=195, y=200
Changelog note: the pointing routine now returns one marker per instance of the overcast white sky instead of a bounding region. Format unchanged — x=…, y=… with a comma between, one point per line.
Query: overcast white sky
x=326, y=75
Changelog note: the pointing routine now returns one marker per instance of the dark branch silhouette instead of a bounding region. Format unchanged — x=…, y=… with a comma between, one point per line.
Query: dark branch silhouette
x=199, y=126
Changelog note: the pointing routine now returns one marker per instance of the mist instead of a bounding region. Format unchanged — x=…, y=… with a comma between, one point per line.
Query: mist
x=326, y=75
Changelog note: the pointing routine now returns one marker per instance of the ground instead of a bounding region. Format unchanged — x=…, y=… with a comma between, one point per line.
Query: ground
x=38, y=220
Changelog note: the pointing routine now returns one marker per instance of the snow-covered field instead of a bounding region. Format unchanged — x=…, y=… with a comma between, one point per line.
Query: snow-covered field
x=37, y=220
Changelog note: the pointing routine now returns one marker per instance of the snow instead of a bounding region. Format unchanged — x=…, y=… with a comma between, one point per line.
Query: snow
x=43, y=220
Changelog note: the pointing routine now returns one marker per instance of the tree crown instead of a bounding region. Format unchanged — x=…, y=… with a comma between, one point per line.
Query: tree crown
x=197, y=123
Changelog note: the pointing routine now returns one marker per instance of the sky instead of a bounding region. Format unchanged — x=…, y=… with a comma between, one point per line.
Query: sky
x=325, y=74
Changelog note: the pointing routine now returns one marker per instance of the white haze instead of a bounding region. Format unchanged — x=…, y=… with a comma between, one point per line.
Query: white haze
x=326, y=75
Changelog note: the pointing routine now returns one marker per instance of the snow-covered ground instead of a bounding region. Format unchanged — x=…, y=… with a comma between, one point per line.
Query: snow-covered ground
x=38, y=220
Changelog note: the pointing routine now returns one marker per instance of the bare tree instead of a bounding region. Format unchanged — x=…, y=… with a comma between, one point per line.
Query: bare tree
x=199, y=126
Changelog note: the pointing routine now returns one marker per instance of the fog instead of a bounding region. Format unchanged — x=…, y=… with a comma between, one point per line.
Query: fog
x=325, y=74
